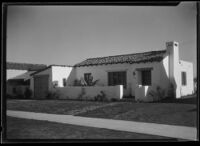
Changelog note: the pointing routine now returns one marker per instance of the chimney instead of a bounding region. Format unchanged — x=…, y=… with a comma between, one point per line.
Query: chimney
x=174, y=72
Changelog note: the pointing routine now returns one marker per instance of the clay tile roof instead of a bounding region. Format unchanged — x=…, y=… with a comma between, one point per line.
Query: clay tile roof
x=25, y=66
x=127, y=58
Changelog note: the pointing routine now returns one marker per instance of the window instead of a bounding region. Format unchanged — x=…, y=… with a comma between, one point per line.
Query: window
x=146, y=77
x=87, y=77
x=117, y=78
x=64, y=82
x=183, y=77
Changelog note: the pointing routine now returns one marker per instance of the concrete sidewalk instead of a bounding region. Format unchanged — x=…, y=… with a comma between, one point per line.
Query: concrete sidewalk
x=180, y=132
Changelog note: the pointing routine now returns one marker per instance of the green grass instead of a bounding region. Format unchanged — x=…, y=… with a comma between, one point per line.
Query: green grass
x=52, y=106
x=163, y=113
x=174, y=112
x=33, y=129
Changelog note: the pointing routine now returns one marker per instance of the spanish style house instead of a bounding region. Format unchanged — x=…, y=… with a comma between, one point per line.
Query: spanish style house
x=140, y=74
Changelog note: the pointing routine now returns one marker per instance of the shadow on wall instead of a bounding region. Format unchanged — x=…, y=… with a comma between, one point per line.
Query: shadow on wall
x=164, y=88
x=71, y=77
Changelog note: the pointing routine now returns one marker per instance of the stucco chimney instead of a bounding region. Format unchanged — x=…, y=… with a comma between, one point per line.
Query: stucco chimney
x=174, y=72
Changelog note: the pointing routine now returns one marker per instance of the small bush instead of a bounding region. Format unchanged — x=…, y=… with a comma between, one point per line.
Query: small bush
x=157, y=95
x=170, y=92
x=10, y=96
x=81, y=95
x=101, y=97
x=52, y=95
x=82, y=82
x=113, y=99
x=28, y=93
x=19, y=96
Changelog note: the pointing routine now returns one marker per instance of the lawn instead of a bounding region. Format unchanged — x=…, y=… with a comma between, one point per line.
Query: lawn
x=183, y=112
x=174, y=112
x=52, y=106
x=33, y=129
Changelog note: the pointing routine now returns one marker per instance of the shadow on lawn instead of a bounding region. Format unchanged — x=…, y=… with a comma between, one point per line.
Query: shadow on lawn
x=189, y=100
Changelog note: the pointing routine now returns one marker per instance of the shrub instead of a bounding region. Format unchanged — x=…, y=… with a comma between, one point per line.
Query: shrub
x=170, y=92
x=90, y=82
x=81, y=95
x=101, y=97
x=18, y=93
x=52, y=95
x=82, y=82
x=9, y=96
x=77, y=82
x=113, y=99
x=156, y=95
x=19, y=96
x=28, y=93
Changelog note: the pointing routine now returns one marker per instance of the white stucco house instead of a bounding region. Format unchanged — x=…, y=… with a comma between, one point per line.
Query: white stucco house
x=141, y=74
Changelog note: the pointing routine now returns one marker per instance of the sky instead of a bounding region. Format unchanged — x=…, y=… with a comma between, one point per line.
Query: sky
x=66, y=35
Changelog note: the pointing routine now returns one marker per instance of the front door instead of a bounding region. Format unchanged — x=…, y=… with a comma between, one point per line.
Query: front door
x=41, y=83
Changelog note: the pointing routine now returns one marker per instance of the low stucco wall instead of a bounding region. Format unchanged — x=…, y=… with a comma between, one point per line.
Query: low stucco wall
x=90, y=92
x=149, y=93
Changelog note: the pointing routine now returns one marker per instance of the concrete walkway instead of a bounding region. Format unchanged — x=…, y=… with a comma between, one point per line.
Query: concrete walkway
x=180, y=132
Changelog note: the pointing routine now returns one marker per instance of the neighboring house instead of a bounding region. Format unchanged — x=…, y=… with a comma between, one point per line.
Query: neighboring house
x=18, y=77
x=139, y=73
x=50, y=77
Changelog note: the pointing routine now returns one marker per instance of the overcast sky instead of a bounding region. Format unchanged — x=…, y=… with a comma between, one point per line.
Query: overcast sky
x=67, y=35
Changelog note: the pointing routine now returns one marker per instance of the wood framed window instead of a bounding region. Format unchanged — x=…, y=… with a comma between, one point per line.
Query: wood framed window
x=146, y=77
x=117, y=78
x=87, y=77
x=184, y=78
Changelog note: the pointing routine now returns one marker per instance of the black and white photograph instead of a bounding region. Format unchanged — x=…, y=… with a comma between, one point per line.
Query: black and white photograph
x=96, y=72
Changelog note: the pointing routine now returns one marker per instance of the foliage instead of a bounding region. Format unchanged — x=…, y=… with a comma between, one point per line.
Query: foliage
x=170, y=92
x=90, y=81
x=18, y=93
x=10, y=96
x=101, y=97
x=28, y=93
x=77, y=82
x=81, y=95
x=158, y=94
x=113, y=99
x=52, y=95
x=82, y=82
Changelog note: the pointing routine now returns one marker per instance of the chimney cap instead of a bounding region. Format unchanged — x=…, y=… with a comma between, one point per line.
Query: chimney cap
x=172, y=43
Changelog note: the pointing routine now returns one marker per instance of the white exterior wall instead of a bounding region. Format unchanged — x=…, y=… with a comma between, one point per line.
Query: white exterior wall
x=56, y=73
x=188, y=68
x=101, y=72
x=90, y=92
x=159, y=78
x=11, y=73
x=164, y=73
x=59, y=73
x=174, y=70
